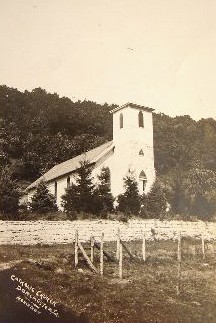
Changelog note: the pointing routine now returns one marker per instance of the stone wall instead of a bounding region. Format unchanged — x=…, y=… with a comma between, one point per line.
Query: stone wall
x=51, y=232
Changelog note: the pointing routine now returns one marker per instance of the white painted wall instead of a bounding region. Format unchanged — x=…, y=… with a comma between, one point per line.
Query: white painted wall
x=128, y=141
x=61, y=186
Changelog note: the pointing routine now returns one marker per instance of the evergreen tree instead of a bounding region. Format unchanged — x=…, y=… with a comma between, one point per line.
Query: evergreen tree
x=129, y=202
x=70, y=201
x=43, y=201
x=9, y=194
x=80, y=197
x=103, y=197
x=85, y=188
x=40, y=130
x=156, y=202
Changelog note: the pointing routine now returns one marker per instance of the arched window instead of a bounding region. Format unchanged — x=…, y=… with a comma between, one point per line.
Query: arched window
x=68, y=181
x=121, y=120
x=141, y=153
x=56, y=189
x=140, y=118
x=142, y=180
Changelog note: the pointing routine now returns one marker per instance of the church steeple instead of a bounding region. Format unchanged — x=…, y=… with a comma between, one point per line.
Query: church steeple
x=133, y=141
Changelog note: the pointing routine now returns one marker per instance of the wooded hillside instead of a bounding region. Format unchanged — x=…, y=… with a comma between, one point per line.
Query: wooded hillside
x=39, y=130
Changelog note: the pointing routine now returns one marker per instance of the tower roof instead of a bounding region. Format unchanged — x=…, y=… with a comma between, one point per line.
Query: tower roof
x=132, y=105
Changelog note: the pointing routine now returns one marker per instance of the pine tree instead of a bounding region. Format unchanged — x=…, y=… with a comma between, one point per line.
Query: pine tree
x=85, y=188
x=9, y=194
x=43, y=201
x=129, y=202
x=70, y=201
x=103, y=197
x=80, y=196
x=156, y=202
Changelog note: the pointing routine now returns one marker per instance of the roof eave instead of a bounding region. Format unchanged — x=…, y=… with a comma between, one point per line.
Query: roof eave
x=33, y=186
x=132, y=105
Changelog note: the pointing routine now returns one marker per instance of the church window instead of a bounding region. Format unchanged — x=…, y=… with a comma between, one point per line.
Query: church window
x=56, y=188
x=121, y=120
x=140, y=118
x=142, y=180
x=68, y=181
x=141, y=153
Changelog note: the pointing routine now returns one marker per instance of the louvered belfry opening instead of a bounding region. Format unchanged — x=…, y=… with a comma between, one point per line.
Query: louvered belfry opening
x=140, y=119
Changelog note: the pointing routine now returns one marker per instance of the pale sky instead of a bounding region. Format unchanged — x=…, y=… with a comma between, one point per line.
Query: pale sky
x=157, y=53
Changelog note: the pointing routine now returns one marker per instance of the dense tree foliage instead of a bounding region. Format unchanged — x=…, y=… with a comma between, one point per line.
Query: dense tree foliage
x=193, y=191
x=129, y=202
x=70, y=201
x=154, y=204
x=85, y=196
x=42, y=201
x=9, y=194
x=39, y=130
x=80, y=197
x=150, y=205
x=103, y=196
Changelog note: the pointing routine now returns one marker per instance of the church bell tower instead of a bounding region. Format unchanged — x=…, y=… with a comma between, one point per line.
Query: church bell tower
x=133, y=142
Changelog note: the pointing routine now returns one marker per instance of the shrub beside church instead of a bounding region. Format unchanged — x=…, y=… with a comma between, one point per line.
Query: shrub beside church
x=42, y=201
x=131, y=148
x=85, y=196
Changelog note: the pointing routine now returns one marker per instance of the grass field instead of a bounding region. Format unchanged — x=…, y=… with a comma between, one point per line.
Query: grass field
x=147, y=292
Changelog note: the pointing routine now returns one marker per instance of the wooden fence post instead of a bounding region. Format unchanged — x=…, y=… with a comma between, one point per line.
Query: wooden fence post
x=118, y=244
x=179, y=247
x=144, y=247
x=92, y=249
x=87, y=258
x=76, y=248
x=179, y=265
x=203, y=246
x=178, y=278
x=120, y=260
x=101, y=255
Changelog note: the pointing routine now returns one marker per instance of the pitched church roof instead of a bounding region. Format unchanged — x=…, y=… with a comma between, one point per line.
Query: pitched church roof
x=132, y=105
x=72, y=164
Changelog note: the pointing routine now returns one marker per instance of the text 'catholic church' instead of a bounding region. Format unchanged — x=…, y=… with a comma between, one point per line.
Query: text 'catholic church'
x=131, y=148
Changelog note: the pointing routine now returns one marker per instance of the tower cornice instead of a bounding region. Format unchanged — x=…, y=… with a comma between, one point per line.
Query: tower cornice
x=132, y=105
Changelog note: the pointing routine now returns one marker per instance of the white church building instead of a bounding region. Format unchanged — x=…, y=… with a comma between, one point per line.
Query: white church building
x=131, y=148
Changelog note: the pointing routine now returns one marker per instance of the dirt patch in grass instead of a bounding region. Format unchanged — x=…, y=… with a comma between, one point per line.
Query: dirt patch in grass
x=147, y=292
